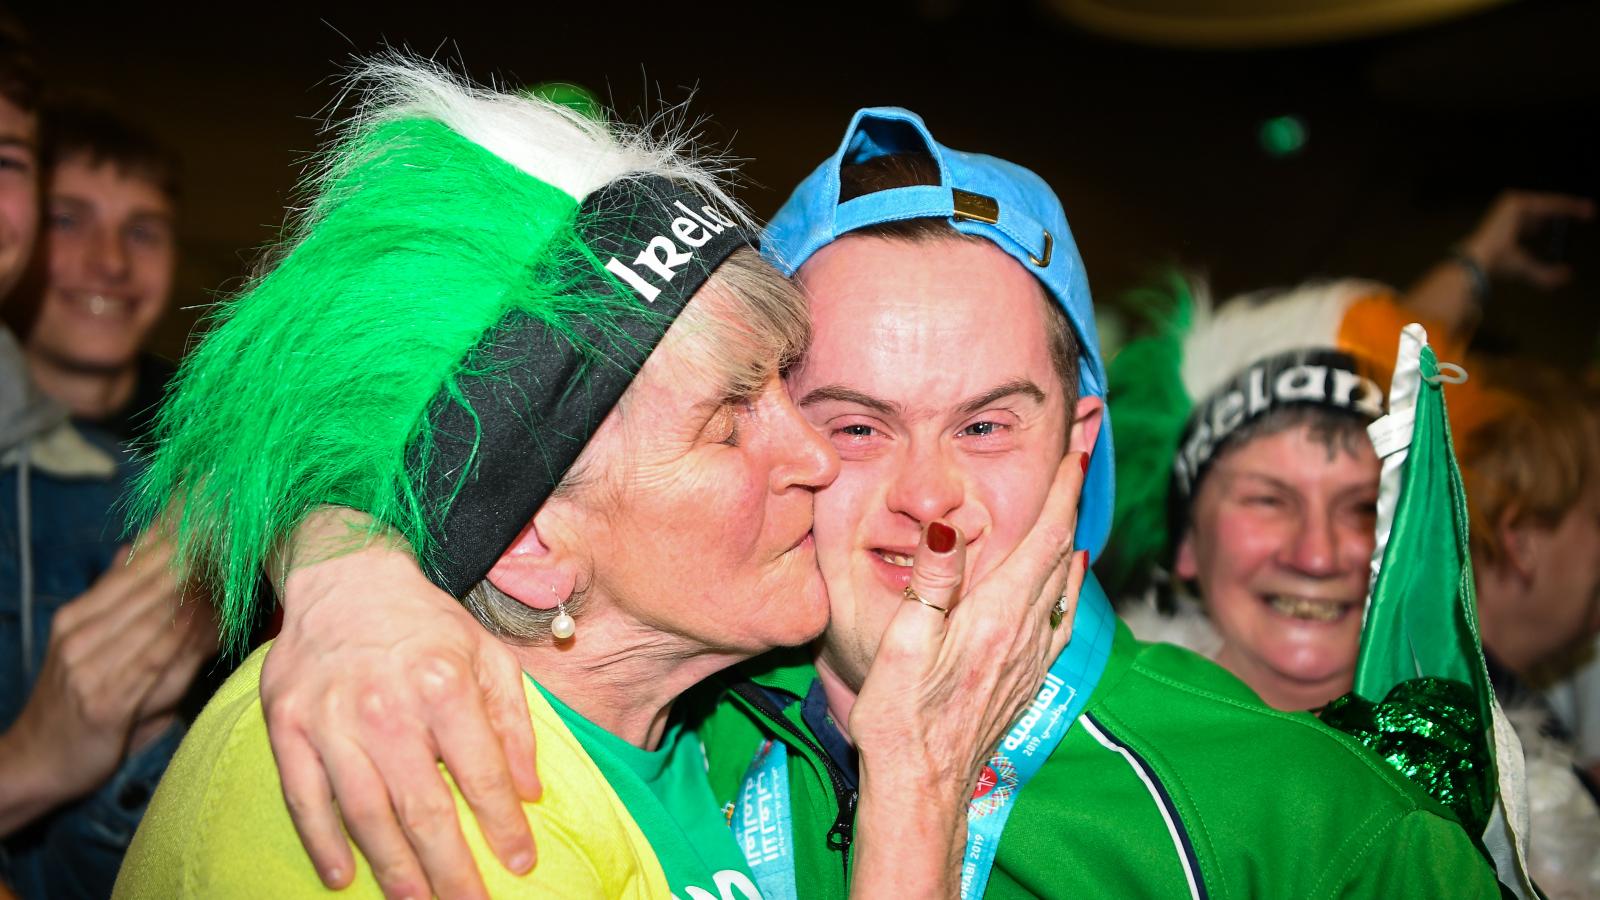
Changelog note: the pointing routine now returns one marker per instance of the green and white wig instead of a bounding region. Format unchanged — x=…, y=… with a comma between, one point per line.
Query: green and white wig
x=476, y=280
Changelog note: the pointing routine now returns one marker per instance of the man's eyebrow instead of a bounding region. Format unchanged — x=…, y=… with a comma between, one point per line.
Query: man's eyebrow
x=842, y=394
x=1015, y=387
x=146, y=216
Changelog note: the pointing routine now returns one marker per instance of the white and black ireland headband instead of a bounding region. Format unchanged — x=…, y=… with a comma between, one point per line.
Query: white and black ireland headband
x=1323, y=378
x=531, y=397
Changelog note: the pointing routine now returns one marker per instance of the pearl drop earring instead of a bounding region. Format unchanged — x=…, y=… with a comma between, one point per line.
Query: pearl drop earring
x=562, y=627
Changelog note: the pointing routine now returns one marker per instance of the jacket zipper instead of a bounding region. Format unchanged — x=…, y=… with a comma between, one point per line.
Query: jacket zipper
x=839, y=836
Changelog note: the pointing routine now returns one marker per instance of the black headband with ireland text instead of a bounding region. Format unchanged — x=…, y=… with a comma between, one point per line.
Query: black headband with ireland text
x=1325, y=378
x=530, y=397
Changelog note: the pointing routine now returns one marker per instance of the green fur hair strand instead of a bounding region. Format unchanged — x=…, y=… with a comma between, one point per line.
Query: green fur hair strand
x=312, y=385
x=1152, y=405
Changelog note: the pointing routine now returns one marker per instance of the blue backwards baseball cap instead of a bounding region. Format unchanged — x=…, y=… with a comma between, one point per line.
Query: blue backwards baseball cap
x=976, y=194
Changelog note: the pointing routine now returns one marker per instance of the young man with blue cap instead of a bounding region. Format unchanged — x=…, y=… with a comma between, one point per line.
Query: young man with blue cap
x=954, y=365
x=1139, y=769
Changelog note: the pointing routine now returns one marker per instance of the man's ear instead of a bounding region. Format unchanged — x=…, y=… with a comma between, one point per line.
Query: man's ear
x=530, y=572
x=1184, y=566
x=1519, y=556
x=1085, y=428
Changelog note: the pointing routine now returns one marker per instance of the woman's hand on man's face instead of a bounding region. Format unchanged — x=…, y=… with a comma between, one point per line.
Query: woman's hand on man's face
x=376, y=676
x=943, y=691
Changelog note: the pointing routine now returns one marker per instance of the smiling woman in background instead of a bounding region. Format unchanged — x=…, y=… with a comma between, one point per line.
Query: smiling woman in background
x=1273, y=507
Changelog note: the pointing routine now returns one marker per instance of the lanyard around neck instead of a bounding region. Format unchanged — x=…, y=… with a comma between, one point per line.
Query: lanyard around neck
x=763, y=813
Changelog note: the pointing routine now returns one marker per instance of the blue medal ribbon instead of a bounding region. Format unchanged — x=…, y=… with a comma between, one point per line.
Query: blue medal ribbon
x=762, y=821
x=1022, y=752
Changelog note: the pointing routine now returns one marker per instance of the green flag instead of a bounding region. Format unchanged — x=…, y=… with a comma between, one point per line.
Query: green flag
x=1422, y=615
x=1422, y=697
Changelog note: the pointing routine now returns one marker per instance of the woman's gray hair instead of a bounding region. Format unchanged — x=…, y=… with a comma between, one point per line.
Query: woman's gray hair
x=751, y=324
x=511, y=620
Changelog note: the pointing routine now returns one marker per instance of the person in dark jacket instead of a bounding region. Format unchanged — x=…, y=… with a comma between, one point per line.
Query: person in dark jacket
x=92, y=666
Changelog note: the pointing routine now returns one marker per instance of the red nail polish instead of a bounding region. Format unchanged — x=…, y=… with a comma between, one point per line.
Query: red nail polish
x=941, y=538
x=1083, y=559
x=1084, y=461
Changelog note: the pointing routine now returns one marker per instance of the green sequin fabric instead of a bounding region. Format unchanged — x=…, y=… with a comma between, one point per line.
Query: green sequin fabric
x=1430, y=730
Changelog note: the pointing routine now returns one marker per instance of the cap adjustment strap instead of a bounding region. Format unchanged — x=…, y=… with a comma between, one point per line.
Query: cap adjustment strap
x=1049, y=246
x=981, y=208
x=893, y=205
x=975, y=207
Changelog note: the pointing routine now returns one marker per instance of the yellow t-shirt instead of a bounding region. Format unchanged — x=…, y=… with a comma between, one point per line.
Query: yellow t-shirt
x=218, y=828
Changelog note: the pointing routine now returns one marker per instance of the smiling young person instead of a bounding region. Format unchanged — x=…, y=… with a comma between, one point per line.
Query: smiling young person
x=954, y=367
x=111, y=202
x=944, y=371
x=99, y=649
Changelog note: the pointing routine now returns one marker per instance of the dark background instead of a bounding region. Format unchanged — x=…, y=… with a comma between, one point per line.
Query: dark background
x=1153, y=149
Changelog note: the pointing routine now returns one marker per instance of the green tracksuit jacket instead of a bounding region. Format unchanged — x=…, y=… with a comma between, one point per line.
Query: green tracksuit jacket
x=1176, y=781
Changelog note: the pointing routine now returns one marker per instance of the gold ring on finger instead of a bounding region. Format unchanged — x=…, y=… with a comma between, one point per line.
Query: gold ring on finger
x=1058, y=612
x=911, y=594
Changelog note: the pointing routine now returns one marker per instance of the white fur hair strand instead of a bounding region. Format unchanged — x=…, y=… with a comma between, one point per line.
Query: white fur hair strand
x=551, y=142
